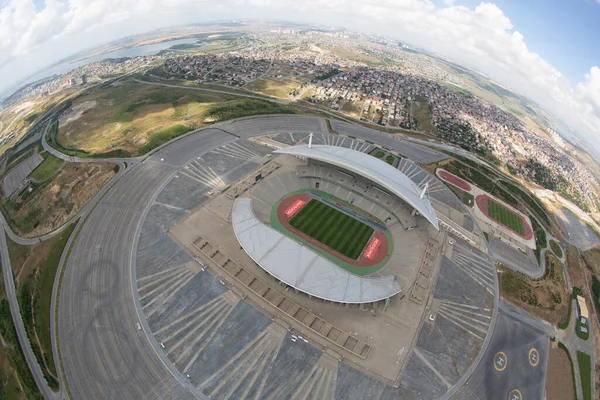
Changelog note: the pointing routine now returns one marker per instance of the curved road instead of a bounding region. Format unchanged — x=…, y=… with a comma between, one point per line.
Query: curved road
x=103, y=353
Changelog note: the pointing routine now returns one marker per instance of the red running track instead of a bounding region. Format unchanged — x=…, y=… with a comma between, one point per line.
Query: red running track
x=362, y=261
x=454, y=180
x=482, y=203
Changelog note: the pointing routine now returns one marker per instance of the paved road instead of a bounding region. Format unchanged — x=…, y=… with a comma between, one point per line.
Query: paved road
x=9, y=283
x=130, y=161
x=570, y=339
x=14, y=179
x=28, y=241
x=104, y=355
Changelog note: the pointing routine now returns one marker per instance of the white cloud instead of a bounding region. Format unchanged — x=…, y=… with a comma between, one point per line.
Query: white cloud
x=482, y=37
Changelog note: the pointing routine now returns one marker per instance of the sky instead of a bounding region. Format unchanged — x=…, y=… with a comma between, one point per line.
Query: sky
x=546, y=50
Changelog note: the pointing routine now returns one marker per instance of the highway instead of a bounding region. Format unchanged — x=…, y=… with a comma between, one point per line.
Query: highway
x=9, y=283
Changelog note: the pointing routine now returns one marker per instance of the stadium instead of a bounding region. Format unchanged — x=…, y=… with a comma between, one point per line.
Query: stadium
x=326, y=226
x=279, y=260
x=358, y=255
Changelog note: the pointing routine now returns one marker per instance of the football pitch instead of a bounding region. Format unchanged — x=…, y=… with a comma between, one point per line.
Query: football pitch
x=505, y=216
x=333, y=228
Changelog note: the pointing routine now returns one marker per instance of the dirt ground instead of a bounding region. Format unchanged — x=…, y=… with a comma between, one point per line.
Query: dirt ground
x=60, y=199
x=123, y=116
x=547, y=297
x=26, y=259
x=574, y=268
x=559, y=380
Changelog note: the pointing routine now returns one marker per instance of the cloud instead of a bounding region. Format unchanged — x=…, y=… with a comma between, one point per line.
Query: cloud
x=482, y=37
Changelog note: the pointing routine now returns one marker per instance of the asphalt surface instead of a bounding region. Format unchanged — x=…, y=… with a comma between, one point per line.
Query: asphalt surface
x=513, y=365
x=579, y=233
x=106, y=355
x=514, y=259
x=14, y=179
x=9, y=283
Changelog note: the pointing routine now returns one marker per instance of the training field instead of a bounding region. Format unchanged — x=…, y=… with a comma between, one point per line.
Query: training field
x=505, y=216
x=333, y=228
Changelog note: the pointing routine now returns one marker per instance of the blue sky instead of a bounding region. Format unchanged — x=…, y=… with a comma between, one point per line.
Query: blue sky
x=565, y=32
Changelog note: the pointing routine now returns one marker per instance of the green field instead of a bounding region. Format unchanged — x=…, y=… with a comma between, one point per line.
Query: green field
x=585, y=371
x=506, y=217
x=556, y=249
x=334, y=229
x=47, y=169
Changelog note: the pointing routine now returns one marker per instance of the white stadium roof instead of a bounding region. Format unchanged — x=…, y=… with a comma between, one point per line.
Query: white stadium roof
x=372, y=168
x=301, y=267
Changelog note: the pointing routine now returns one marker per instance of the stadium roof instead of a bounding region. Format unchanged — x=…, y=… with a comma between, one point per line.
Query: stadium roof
x=372, y=168
x=302, y=268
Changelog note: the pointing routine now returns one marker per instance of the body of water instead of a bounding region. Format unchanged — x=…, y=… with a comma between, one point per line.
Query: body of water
x=145, y=50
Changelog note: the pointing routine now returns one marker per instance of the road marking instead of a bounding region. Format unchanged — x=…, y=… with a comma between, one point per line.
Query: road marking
x=431, y=367
x=515, y=394
x=534, y=357
x=500, y=361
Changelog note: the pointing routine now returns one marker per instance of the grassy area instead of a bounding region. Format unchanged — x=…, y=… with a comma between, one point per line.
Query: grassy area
x=540, y=238
x=546, y=297
x=51, y=203
x=532, y=202
x=390, y=159
x=455, y=88
x=352, y=109
x=378, y=154
x=278, y=88
x=422, y=112
x=161, y=137
x=334, y=229
x=47, y=169
x=246, y=108
x=15, y=157
x=592, y=259
x=556, y=249
x=10, y=388
x=596, y=291
x=585, y=372
x=358, y=57
x=36, y=266
x=505, y=216
x=466, y=198
x=564, y=324
x=131, y=118
x=16, y=381
x=53, y=140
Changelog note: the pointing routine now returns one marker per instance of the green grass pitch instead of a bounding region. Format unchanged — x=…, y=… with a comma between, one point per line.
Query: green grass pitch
x=333, y=228
x=505, y=216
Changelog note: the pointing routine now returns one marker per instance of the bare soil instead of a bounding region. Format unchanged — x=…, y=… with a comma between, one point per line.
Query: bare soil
x=574, y=268
x=559, y=380
x=547, y=297
x=61, y=198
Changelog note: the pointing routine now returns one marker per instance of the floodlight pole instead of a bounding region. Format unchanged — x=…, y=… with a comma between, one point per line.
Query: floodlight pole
x=310, y=140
